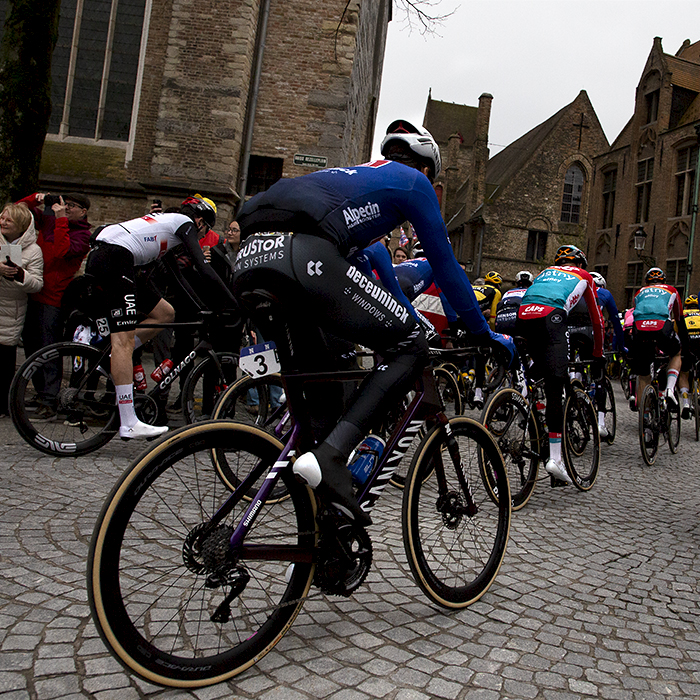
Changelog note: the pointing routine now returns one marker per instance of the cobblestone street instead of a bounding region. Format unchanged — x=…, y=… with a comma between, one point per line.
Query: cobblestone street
x=597, y=596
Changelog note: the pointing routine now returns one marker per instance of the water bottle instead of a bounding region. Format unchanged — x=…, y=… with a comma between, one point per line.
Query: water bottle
x=140, y=383
x=364, y=457
x=162, y=370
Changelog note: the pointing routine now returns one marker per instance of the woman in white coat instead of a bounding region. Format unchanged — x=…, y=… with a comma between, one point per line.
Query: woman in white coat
x=16, y=282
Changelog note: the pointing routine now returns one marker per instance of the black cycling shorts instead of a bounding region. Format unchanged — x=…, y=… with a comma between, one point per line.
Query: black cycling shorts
x=646, y=343
x=581, y=339
x=124, y=295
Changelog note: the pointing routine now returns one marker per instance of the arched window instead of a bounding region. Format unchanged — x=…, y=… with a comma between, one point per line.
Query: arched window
x=573, y=191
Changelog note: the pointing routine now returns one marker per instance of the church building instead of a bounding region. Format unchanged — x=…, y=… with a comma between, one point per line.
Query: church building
x=159, y=99
x=645, y=186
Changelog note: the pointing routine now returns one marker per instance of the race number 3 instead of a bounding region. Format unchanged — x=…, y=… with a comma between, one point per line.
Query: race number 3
x=259, y=360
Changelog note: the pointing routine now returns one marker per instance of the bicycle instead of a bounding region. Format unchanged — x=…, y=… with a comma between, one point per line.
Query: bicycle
x=87, y=416
x=657, y=418
x=271, y=412
x=517, y=424
x=190, y=583
x=581, y=370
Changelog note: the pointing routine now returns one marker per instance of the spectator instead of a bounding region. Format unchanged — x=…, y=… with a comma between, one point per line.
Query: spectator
x=19, y=276
x=64, y=239
x=223, y=254
x=400, y=255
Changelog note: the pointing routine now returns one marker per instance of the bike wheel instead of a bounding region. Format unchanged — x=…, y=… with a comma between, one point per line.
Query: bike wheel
x=158, y=586
x=455, y=538
x=205, y=384
x=581, y=439
x=696, y=412
x=649, y=425
x=271, y=416
x=508, y=418
x=610, y=411
x=85, y=415
x=449, y=391
x=673, y=422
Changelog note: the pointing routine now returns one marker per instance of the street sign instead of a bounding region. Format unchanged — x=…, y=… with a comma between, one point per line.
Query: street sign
x=310, y=161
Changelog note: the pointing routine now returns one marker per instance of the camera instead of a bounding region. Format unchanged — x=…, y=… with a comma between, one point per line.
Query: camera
x=51, y=199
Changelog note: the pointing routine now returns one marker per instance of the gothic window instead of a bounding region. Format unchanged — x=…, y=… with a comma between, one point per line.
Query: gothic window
x=645, y=174
x=635, y=278
x=263, y=172
x=573, y=190
x=609, y=185
x=95, y=68
x=652, y=104
x=536, y=245
x=675, y=274
x=685, y=179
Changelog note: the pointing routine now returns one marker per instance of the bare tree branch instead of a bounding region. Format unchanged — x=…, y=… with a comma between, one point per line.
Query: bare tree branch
x=422, y=15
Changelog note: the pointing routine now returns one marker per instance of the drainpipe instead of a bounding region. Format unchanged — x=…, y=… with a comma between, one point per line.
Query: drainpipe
x=694, y=218
x=253, y=98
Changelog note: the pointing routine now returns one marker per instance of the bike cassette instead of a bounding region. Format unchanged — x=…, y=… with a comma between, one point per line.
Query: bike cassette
x=345, y=556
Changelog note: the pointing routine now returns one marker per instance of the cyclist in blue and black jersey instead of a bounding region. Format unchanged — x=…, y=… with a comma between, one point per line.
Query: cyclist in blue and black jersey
x=319, y=220
x=607, y=303
x=542, y=320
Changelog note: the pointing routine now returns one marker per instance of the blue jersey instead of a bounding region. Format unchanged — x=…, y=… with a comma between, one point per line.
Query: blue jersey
x=414, y=276
x=355, y=206
x=606, y=301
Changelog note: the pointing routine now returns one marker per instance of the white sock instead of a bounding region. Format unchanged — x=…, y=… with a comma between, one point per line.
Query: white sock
x=555, y=446
x=125, y=401
x=671, y=379
x=601, y=419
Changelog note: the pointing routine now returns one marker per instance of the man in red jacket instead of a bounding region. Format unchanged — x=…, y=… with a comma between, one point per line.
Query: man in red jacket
x=64, y=238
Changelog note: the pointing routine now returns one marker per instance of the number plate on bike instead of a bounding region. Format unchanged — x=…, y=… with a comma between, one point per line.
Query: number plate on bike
x=259, y=360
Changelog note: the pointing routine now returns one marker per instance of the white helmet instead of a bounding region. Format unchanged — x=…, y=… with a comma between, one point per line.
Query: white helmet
x=524, y=277
x=418, y=139
x=599, y=280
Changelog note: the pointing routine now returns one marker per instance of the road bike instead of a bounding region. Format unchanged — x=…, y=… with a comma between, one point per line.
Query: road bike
x=658, y=418
x=580, y=373
x=86, y=416
x=193, y=577
x=517, y=424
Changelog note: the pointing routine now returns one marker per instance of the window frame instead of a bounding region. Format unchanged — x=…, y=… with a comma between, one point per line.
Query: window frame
x=633, y=282
x=685, y=179
x=536, y=242
x=643, y=187
x=571, y=203
x=68, y=96
x=609, y=191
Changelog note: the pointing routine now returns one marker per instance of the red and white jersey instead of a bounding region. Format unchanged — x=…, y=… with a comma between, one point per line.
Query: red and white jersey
x=430, y=306
x=148, y=237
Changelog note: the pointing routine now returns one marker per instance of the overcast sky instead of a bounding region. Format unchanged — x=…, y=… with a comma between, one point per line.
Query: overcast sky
x=533, y=56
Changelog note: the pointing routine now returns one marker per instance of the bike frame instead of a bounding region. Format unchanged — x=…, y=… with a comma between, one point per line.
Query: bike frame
x=425, y=405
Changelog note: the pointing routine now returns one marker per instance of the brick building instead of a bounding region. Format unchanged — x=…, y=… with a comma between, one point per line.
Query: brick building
x=162, y=98
x=534, y=196
x=647, y=179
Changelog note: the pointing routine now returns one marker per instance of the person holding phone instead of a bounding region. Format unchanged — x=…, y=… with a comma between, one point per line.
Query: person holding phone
x=17, y=281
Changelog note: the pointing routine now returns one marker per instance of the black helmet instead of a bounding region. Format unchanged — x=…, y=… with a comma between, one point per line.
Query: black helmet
x=570, y=255
x=199, y=206
x=655, y=275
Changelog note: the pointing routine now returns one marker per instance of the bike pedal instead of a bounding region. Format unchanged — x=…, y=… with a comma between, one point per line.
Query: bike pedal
x=556, y=483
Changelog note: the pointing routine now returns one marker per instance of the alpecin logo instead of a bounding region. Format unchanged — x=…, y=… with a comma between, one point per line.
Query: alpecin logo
x=354, y=216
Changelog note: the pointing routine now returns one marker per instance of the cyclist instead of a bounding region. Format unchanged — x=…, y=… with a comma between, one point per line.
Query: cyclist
x=507, y=309
x=542, y=321
x=692, y=323
x=321, y=219
x=489, y=294
x=119, y=250
x=657, y=306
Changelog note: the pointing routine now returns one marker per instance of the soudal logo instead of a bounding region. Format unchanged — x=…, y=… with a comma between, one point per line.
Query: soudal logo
x=354, y=216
